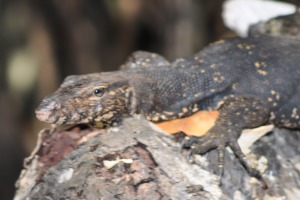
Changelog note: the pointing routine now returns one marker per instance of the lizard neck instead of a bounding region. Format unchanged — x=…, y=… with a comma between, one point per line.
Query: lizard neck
x=159, y=95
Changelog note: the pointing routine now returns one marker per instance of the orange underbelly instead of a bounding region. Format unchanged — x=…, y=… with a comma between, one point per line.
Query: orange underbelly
x=197, y=124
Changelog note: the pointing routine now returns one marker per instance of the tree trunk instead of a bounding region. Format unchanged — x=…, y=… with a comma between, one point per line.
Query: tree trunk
x=137, y=161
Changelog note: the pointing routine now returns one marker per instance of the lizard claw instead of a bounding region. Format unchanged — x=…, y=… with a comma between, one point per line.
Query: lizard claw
x=182, y=145
x=185, y=143
x=203, y=144
x=190, y=154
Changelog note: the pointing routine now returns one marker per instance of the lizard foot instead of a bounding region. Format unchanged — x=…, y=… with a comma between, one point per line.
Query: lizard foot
x=203, y=144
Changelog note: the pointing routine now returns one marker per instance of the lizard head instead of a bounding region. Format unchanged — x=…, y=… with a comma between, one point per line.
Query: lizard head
x=93, y=99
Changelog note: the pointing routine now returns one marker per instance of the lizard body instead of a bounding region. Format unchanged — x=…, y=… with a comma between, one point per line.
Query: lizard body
x=249, y=81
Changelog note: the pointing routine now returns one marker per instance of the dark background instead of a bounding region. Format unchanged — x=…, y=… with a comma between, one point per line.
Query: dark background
x=42, y=41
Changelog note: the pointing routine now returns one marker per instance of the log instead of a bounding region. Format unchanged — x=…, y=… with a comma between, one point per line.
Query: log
x=135, y=160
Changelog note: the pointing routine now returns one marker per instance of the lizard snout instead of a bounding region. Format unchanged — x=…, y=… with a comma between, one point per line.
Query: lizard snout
x=45, y=112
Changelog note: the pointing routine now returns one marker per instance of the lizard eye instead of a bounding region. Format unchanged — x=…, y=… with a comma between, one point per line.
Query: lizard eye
x=99, y=91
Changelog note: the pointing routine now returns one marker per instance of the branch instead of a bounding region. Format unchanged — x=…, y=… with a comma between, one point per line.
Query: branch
x=137, y=161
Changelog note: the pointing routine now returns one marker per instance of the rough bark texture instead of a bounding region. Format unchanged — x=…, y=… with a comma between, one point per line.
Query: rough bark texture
x=135, y=161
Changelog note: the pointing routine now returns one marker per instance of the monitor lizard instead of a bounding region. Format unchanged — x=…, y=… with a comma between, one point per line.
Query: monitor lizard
x=250, y=82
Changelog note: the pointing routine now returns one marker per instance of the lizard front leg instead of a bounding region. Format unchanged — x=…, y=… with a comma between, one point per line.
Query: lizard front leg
x=235, y=115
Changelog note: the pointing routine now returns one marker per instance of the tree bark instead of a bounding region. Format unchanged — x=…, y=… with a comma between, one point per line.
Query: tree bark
x=137, y=161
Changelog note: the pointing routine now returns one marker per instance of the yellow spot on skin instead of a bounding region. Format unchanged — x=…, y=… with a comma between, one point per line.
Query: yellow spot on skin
x=218, y=77
x=251, y=46
x=163, y=117
x=180, y=114
x=185, y=110
x=112, y=93
x=212, y=66
x=262, y=72
x=273, y=92
x=219, y=42
x=107, y=116
x=257, y=64
x=195, y=109
x=168, y=113
x=219, y=104
x=233, y=86
x=155, y=118
x=270, y=99
x=294, y=112
x=245, y=46
x=277, y=95
x=93, y=98
x=197, y=95
x=202, y=71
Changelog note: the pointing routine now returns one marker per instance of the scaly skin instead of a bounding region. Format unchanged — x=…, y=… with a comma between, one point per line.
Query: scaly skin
x=287, y=26
x=249, y=81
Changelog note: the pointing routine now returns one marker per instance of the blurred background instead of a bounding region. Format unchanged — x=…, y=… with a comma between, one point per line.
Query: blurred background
x=41, y=42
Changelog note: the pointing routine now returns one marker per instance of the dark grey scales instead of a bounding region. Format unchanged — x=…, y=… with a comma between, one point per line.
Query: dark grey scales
x=250, y=81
